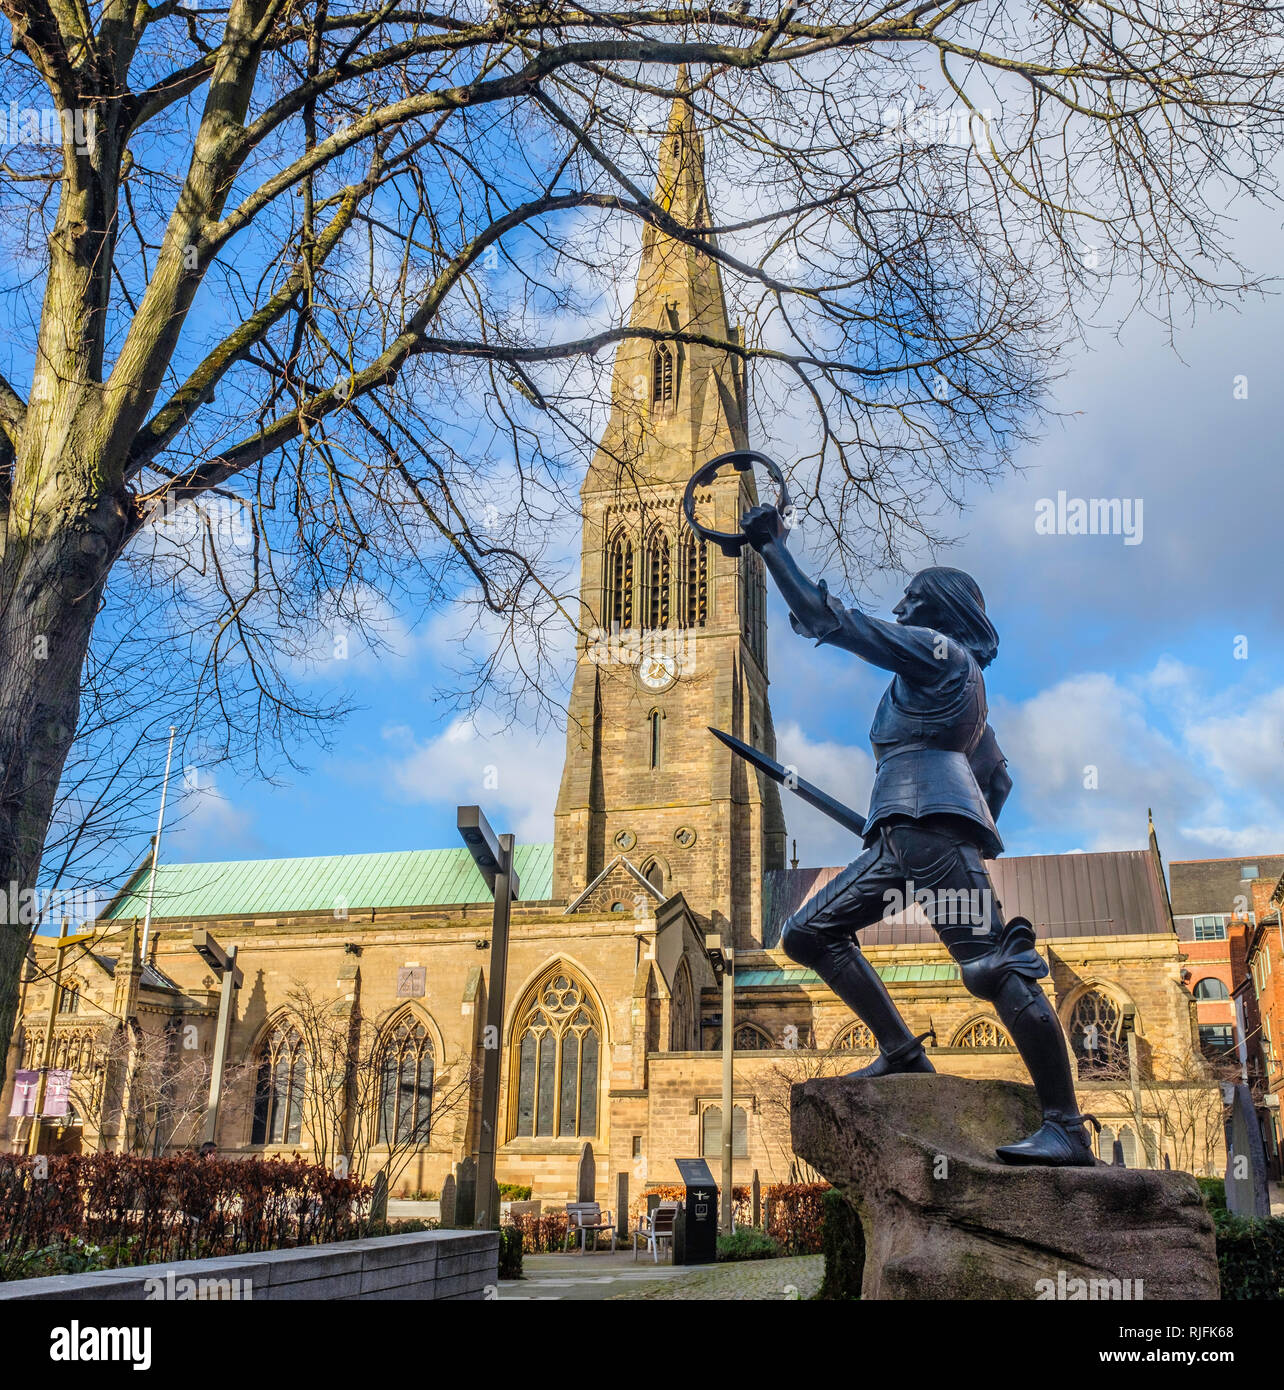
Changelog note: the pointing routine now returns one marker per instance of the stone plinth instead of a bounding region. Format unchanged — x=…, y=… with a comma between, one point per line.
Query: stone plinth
x=943, y=1218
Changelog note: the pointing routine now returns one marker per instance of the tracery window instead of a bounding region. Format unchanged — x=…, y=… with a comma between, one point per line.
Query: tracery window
x=1096, y=1030
x=682, y=1032
x=69, y=999
x=856, y=1037
x=750, y=1038
x=662, y=377
x=405, y=1088
x=982, y=1032
x=559, y=1038
x=278, y=1090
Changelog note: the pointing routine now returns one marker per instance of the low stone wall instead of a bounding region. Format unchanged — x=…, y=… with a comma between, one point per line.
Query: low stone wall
x=423, y=1265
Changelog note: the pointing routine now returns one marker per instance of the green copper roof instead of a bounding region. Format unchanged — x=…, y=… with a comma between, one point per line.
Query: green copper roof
x=268, y=887
x=918, y=972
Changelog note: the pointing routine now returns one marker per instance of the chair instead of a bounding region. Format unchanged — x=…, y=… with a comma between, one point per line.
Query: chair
x=656, y=1228
x=585, y=1217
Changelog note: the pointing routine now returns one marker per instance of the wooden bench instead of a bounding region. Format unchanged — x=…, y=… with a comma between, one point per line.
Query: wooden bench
x=586, y=1217
x=656, y=1229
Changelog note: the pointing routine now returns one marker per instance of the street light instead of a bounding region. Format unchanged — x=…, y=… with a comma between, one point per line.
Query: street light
x=493, y=855
x=723, y=959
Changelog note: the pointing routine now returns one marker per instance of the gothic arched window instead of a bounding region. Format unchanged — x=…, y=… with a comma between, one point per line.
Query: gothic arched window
x=693, y=580
x=653, y=872
x=856, y=1037
x=656, y=592
x=655, y=730
x=558, y=1043
x=69, y=1000
x=750, y=1038
x=1096, y=1030
x=619, y=582
x=662, y=377
x=278, y=1089
x=682, y=1030
x=982, y=1032
x=405, y=1085
x=711, y=1132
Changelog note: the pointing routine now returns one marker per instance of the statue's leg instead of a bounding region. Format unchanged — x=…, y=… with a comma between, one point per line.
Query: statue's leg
x=1001, y=965
x=822, y=936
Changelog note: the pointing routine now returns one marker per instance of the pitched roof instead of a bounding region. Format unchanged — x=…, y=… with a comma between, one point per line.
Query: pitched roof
x=1064, y=895
x=1207, y=886
x=268, y=887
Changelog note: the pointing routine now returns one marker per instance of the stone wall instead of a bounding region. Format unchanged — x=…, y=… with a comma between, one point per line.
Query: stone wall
x=427, y=1266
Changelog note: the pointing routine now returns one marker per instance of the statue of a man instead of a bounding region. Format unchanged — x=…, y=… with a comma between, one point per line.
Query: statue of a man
x=939, y=786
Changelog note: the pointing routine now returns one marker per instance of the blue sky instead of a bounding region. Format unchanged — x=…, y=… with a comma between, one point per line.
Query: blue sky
x=1157, y=664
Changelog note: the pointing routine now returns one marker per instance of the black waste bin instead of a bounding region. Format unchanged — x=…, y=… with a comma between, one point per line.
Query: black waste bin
x=696, y=1239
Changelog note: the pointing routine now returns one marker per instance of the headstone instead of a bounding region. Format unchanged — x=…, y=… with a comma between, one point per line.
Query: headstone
x=465, y=1192
x=1168, y=1162
x=526, y=1208
x=586, y=1180
x=622, y=1204
x=755, y=1197
x=1246, y=1190
x=379, y=1196
x=447, y=1216
x=1117, y=1154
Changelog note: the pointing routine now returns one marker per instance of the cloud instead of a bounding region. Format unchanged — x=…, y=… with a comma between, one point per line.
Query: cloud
x=479, y=761
x=844, y=772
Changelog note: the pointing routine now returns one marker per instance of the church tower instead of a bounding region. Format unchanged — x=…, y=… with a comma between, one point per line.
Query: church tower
x=676, y=631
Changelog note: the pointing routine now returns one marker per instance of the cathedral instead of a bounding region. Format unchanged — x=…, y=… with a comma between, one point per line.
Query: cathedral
x=661, y=840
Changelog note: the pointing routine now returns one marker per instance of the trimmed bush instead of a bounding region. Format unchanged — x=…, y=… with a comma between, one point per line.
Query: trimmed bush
x=542, y=1235
x=748, y=1243
x=843, y=1245
x=515, y=1192
x=134, y=1210
x=1250, y=1255
x=510, y=1252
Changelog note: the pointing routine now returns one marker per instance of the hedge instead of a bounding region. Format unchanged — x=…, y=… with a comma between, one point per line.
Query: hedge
x=843, y=1239
x=1250, y=1255
x=143, y=1210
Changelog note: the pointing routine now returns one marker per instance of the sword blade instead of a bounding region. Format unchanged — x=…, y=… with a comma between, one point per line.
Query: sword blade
x=812, y=795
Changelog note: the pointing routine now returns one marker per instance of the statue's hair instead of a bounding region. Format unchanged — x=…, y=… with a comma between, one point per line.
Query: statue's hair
x=960, y=610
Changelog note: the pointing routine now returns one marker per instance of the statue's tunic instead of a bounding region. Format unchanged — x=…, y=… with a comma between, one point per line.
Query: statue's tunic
x=932, y=747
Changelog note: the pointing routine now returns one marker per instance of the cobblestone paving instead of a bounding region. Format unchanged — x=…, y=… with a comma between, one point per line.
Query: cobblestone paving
x=795, y=1278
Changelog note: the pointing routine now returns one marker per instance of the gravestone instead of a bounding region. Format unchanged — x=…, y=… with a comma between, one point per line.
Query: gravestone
x=1117, y=1154
x=379, y=1196
x=586, y=1179
x=755, y=1198
x=447, y=1215
x=1246, y=1190
x=622, y=1204
x=465, y=1192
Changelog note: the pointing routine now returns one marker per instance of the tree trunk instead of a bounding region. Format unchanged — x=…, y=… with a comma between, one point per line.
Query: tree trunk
x=52, y=571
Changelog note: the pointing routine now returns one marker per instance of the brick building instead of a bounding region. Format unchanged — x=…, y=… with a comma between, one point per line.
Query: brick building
x=660, y=839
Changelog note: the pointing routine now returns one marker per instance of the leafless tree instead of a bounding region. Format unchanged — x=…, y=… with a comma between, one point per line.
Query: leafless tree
x=308, y=304
x=347, y=1113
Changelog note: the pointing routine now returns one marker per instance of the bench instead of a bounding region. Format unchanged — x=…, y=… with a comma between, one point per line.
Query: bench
x=586, y=1217
x=656, y=1228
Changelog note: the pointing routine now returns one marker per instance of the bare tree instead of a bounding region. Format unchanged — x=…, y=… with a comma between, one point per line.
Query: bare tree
x=308, y=302
x=352, y=1111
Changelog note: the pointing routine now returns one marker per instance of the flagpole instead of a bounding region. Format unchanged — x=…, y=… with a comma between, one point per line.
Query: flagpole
x=160, y=825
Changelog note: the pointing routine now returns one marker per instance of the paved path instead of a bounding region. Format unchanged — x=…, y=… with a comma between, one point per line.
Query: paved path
x=611, y=1276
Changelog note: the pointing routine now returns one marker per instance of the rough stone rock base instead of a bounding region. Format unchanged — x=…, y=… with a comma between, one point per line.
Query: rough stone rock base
x=943, y=1218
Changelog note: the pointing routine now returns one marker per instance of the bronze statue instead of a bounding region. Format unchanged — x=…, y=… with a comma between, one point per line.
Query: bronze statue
x=939, y=785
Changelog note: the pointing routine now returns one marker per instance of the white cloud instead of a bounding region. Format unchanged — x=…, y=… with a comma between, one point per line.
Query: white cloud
x=513, y=775
x=846, y=773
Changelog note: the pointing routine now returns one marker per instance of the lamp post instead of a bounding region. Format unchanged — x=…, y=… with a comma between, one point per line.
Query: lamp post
x=493, y=855
x=722, y=958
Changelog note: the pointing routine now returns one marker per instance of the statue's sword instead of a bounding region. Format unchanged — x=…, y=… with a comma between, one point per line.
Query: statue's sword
x=813, y=796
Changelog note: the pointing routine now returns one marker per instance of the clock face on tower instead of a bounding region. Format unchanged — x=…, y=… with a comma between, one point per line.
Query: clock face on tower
x=657, y=671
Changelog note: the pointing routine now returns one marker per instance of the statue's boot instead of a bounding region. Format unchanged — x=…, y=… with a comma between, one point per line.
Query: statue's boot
x=847, y=971
x=908, y=1057
x=1062, y=1141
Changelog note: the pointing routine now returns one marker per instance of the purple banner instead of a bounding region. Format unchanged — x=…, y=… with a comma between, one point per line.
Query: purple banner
x=57, y=1093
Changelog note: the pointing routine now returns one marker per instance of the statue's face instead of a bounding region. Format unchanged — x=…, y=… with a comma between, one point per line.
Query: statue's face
x=915, y=609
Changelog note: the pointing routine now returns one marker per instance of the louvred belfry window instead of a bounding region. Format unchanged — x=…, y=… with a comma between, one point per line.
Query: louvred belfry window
x=619, y=583
x=662, y=378
x=693, y=603
x=657, y=582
